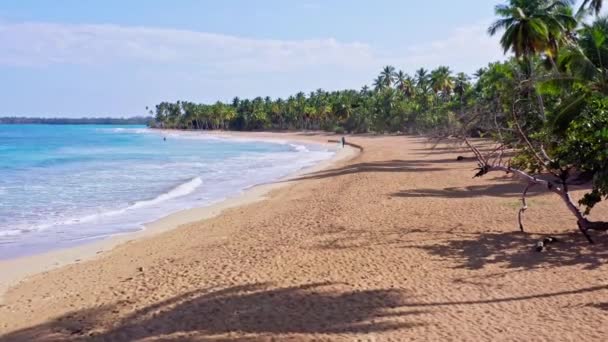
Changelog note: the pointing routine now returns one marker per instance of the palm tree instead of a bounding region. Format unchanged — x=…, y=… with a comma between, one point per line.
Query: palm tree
x=591, y=6
x=379, y=83
x=422, y=80
x=586, y=67
x=388, y=75
x=442, y=82
x=530, y=25
x=400, y=79
x=405, y=83
x=533, y=27
x=461, y=85
x=479, y=73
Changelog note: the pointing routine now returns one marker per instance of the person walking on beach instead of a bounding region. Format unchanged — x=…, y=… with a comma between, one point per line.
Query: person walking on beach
x=343, y=142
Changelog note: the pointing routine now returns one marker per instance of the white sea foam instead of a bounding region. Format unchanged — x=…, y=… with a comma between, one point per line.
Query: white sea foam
x=127, y=130
x=109, y=194
x=178, y=191
x=299, y=148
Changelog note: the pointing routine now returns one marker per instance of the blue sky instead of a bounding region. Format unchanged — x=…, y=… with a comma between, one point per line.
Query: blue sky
x=112, y=58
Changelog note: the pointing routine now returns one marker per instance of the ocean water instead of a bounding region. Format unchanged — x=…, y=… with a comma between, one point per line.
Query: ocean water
x=62, y=185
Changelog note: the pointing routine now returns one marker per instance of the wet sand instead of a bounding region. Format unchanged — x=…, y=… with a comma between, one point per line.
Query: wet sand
x=399, y=243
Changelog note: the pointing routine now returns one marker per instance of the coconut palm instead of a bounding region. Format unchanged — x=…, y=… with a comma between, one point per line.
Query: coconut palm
x=388, y=75
x=461, y=84
x=400, y=79
x=379, y=83
x=442, y=82
x=405, y=83
x=479, y=72
x=533, y=27
x=530, y=26
x=586, y=67
x=591, y=6
x=422, y=80
x=409, y=86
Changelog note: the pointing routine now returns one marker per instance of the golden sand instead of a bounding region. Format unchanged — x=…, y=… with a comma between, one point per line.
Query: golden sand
x=399, y=243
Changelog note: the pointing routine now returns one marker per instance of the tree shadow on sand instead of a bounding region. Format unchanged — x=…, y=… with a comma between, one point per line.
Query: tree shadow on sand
x=491, y=190
x=247, y=309
x=475, y=250
x=383, y=166
x=516, y=250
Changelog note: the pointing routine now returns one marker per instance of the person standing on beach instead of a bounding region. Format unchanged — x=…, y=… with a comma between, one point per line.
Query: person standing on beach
x=343, y=141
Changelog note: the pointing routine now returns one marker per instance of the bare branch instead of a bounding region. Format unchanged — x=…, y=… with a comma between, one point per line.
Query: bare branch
x=524, y=205
x=544, y=154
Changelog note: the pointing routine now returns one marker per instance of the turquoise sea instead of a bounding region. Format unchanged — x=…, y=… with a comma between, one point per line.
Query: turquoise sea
x=62, y=185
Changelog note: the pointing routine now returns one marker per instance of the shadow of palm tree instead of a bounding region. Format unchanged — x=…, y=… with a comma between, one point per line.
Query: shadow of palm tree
x=248, y=309
x=383, y=166
x=492, y=190
x=601, y=306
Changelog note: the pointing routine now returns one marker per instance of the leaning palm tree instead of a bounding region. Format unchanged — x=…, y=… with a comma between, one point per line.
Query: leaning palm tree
x=531, y=28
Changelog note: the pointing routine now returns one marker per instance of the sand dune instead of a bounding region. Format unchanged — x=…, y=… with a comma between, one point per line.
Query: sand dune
x=399, y=243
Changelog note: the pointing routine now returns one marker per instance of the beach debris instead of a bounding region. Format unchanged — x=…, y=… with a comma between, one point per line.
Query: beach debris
x=460, y=158
x=542, y=245
x=549, y=240
x=140, y=269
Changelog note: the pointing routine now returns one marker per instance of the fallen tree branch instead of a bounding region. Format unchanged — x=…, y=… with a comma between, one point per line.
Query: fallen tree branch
x=561, y=190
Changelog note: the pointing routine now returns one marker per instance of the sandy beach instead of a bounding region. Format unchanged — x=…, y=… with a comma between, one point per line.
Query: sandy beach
x=397, y=242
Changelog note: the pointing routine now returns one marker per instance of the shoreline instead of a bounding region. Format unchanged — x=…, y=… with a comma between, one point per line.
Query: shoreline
x=17, y=270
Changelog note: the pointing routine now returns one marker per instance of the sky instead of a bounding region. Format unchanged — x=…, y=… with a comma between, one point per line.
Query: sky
x=75, y=58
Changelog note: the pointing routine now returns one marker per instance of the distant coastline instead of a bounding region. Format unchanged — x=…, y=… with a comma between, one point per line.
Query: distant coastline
x=136, y=120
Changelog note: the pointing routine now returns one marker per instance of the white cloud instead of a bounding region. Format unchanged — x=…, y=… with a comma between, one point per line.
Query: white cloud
x=42, y=44
x=464, y=49
x=138, y=66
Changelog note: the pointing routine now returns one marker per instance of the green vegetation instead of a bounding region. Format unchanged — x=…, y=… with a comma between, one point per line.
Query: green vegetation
x=547, y=104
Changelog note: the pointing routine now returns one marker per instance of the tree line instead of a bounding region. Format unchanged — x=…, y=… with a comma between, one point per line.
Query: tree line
x=546, y=106
x=398, y=102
